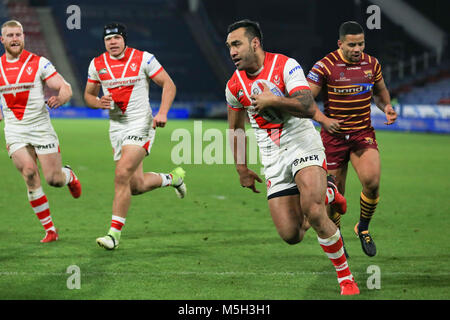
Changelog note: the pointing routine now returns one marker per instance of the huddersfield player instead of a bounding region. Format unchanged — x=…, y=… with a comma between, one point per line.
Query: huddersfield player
x=349, y=79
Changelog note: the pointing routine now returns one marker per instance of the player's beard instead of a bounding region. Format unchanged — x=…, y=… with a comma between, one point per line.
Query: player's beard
x=247, y=61
x=13, y=51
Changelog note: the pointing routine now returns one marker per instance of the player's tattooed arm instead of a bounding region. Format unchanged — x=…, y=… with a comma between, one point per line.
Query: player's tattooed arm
x=300, y=104
x=304, y=106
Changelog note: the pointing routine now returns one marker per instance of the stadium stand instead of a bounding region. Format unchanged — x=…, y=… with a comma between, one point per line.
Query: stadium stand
x=159, y=29
x=27, y=15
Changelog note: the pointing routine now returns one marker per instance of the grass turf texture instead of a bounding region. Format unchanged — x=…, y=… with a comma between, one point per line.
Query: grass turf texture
x=220, y=242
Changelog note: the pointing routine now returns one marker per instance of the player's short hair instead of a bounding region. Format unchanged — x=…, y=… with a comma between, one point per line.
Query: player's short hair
x=11, y=24
x=252, y=29
x=350, y=27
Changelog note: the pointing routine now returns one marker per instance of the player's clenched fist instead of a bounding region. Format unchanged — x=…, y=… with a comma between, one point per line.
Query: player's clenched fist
x=54, y=102
x=106, y=101
x=159, y=120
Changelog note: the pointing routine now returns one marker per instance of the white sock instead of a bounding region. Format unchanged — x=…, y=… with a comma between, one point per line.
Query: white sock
x=166, y=179
x=66, y=172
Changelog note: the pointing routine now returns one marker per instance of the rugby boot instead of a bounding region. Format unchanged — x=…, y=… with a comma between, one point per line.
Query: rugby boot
x=367, y=243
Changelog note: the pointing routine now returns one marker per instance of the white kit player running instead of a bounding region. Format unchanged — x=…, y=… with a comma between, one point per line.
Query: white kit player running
x=29, y=133
x=123, y=74
x=272, y=90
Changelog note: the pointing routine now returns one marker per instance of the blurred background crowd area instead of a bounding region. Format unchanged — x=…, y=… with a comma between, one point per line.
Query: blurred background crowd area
x=188, y=38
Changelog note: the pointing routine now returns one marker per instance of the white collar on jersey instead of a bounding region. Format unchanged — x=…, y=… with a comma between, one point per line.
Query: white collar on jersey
x=257, y=72
x=13, y=60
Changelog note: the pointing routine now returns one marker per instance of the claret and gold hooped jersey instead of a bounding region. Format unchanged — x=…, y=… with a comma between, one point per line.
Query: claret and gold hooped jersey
x=276, y=129
x=22, y=89
x=347, y=88
x=126, y=79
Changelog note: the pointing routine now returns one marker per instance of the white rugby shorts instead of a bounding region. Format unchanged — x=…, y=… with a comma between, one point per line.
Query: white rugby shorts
x=281, y=168
x=42, y=138
x=139, y=134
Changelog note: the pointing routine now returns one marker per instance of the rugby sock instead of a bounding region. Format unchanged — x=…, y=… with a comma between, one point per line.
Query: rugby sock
x=68, y=176
x=334, y=249
x=116, y=226
x=40, y=206
x=166, y=179
x=368, y=207
x=336, y=218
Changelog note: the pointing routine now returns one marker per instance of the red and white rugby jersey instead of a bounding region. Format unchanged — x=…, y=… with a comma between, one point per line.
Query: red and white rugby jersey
x=126, y=79
x=22, y=88
x=287, y=75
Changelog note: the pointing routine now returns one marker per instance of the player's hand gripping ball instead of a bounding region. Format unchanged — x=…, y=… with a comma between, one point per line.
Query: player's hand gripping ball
x=270, y=114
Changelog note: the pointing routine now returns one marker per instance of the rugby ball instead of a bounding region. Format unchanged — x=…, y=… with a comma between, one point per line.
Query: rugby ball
x=272, y=115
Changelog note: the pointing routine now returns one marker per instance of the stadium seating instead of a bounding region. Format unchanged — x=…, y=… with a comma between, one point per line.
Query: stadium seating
x=34, y=39
x=159, y=29
x=26, y=14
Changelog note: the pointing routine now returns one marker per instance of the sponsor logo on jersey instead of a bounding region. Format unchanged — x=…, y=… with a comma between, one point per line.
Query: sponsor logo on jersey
x=297, y=67
x=46, y=146
x=313, y=76
x=299, y=161
x=342, y=77
x=47, y=65
x=353, y=68
x=117, y=65
x=359, y=88
x=134, y=138
x=369, y=140
x=29, y=70
x=12, y=68
x=133, y=66
x=103, y=71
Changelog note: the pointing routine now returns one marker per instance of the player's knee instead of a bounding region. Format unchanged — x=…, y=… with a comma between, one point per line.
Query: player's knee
x=291, y=236
x=122, y=175
x=29, y=174
x=371, y=186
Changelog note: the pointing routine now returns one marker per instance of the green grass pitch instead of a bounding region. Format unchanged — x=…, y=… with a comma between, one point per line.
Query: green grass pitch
x=220, y=242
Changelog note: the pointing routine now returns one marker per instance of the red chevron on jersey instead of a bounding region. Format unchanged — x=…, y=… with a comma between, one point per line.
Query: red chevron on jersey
x=121, y=96
x=26, y=68
x=274, y=130
x=110, y=70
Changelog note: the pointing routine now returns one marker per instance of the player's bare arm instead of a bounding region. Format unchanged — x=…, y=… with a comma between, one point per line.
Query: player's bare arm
x=169, y=91
x=91, y=97
x=238, y=141
x=64, y=89
x=329, y=124
x=382, y=99
x=300, y=104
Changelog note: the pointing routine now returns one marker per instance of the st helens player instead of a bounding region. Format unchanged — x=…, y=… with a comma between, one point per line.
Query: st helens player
x=123, y=74
x=29, y=133
x=272, y=90
x=349, y=79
